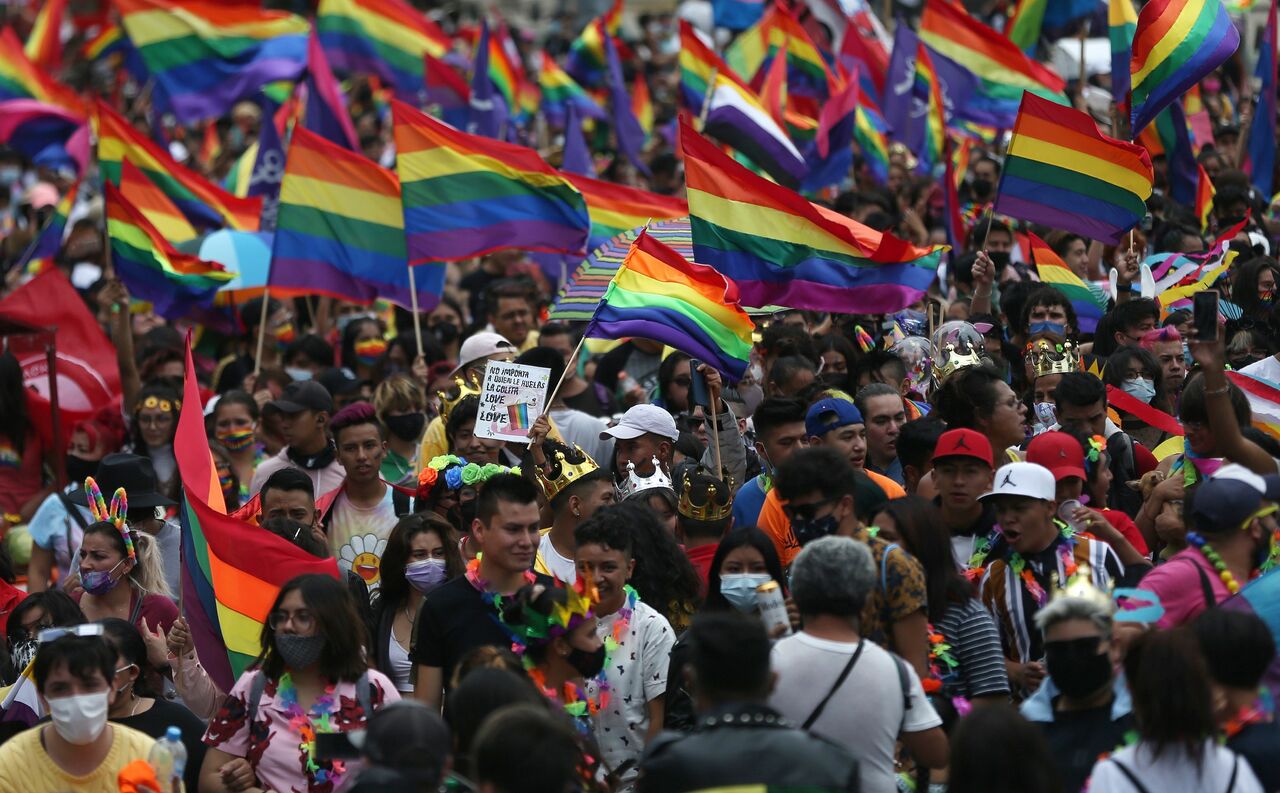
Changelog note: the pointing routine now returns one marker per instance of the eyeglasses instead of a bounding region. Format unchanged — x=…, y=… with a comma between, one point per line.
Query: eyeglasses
x=52, y=634
x=806, y=512
x=301, y=620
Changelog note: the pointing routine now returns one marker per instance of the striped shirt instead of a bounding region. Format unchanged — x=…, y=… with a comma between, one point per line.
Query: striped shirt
x=975, y=645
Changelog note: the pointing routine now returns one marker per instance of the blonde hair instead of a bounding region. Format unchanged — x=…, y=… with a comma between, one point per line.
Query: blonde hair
x=148, y=574
x=397, y=392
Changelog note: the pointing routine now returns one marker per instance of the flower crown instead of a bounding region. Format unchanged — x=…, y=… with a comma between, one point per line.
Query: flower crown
x=115, y=516
x=455, y=473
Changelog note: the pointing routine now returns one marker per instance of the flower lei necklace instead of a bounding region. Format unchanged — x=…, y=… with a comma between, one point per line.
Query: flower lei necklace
x=493, y=600
x=307, y=724
x=572, y=697
x=942, y=667
x=1206, y=550
x=1015, y=562
x=1262, y=711
x=621, y=626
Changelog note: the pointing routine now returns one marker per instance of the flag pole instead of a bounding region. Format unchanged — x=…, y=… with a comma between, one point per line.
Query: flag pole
x=706, y=99
x=571, y=364
x=262, y=334
x=991, y=214
x=413, y=303
x=1084, y=34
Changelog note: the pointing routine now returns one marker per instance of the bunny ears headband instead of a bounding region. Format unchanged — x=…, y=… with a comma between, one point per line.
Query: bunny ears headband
x=114, y=516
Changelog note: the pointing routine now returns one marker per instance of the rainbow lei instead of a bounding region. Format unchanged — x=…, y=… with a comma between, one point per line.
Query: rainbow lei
x=115, y=515
x=493, y=601
x=1262, y=711
x=1019, y=565
x=307, y=725
x=1206, y=550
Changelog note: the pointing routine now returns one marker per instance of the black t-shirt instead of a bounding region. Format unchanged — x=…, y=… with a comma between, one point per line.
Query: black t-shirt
x=1260, y=745
x=161, y=716
x=1077, y=738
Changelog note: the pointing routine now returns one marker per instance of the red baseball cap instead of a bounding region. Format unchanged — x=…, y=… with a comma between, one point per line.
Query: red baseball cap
x=963, y=443
x=1059, y=452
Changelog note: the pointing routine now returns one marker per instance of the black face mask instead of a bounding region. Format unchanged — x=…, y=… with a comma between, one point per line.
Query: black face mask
x=588, y=664
x=1076, y=666
x=981, y=188
x=407, y=427
x=79, y=469
x=445, y=332
x=1000, y=259
x=807, y=531
x=313, y=462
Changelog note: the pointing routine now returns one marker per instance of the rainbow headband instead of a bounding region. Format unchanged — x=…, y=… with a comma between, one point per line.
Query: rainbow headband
x=115, y=516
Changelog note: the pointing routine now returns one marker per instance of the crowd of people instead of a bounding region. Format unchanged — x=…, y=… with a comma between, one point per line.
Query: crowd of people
x=966, y=546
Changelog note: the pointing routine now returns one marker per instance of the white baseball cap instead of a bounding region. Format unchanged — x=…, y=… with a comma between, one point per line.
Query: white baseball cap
x=642, y=419
x=481, y=345
x=1023, y=479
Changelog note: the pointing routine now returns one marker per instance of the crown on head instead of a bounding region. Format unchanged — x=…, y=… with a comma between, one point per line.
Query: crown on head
x=954, y=357
x=563, y=472
x=634, y=483
x=1048, y=358
x=717, y=503
x=466, y=388
x=1080, y=586
x=531, y=626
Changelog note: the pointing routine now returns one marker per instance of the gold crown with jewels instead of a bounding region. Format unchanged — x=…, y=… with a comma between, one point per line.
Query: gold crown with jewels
x=718, y=502
x=447, y=403
x=564, y=472
x=1048, y=358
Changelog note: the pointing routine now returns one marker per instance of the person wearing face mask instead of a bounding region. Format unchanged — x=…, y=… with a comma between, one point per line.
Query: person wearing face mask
x=419, y=557
x=79, y=750
x=311, y=671
x=136, y=703
x=744, y=560
x=235, y=426
x=1082, y=707
x=704, y=513
x=363, y=346
x=401, y=407
x=637, y=640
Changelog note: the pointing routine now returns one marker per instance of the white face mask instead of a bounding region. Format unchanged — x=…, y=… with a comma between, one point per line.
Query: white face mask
x=79, y=719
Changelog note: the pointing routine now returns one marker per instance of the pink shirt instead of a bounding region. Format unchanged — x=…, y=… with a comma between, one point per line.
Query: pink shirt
x=1180, y=589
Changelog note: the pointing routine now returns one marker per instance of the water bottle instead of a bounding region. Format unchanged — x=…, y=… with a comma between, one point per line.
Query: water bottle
x=168, y=757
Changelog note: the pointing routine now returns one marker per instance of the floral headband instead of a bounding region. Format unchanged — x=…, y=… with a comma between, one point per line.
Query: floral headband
x=115, y=516
x=457, y=473
x=153, y=402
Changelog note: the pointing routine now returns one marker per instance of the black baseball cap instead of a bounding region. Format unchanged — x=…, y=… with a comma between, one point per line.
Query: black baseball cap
x=339, y=381
x=299, y=396
x=134, y=473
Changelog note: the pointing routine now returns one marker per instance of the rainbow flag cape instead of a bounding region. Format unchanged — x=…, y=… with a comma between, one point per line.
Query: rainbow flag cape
x=152, y=268
x=690, y=307
x=43, y=250
x=1088, y=305
x=154, y=205
x=44, y=45
x=48, y=135
x=615, y=208
x=783, y=250
x=1260, y=162
x=232, y=571
x=1176, y=43
x=1062, y=172
x=1204, y=197
x=20, y=79
x=205, y=205
x=808, y=68
x=386, y=38
x=340, y=229
x=559, y=91
x=326, y=111
x=587, y=62
x=935, y=122
x=1122, y=21
x=205, y=56
x=465, y=195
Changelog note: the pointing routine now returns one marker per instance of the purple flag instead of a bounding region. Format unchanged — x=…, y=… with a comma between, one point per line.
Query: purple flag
x=326, y=113
x=1261, y=164
x=577, y=157
x=625, y=126
x=488, y=114
x=268, y=167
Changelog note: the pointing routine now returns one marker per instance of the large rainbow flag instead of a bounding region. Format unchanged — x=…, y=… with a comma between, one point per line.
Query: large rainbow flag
x=783, y=250
x=1062, y=172
x=658, y=295
x=465, y=195
x=386, y=38
x=1088, y=305
x=340, y=229
x=205, y=56
x=615, y=208
x=206, y=205
x=808, y=71
x=232, y=571
x=1177, y=42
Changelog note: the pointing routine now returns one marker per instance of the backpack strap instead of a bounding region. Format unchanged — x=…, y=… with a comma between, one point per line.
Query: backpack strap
x=844, y=674
x=400, y=501
x=1210, y=600
x=1133, y=778
x=1235, y=769
x=364, y=695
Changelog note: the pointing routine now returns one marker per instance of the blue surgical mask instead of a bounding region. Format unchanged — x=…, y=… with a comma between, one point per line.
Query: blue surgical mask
x=740, y=589
x=298, y=374
x=1140, y=388
x=1056, y=328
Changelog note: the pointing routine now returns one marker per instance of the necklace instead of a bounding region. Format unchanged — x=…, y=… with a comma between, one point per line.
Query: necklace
x=571, y=697
x=617, y=634
x=1261, y=711
x=493, y=600
x=306, y=724
x=1015, y=562
x=1202, y=545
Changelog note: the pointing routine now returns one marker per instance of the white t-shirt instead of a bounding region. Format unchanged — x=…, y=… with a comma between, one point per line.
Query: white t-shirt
x=358, y=536
x=562, y=568
x=637, y=673
x=1175, y=772
x=1267, y=369
x=865, y=715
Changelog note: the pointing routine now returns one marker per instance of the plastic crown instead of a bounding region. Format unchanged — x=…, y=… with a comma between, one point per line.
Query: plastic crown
x=634, y=484
x=954, y=359
x=1080, y=586
x=1047, y=358
x=563, y=472
x=465, y=389
x=717, y=505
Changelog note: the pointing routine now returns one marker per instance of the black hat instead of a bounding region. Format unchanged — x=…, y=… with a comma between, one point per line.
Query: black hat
x=409, y=739
x=299, y=396
x=340, y=381
x=134, y=473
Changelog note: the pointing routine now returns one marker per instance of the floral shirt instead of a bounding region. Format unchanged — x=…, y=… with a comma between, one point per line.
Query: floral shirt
x=899, y=591
x=272, y=746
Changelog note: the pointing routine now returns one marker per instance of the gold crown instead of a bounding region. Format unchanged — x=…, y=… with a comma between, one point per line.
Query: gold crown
x=465, y=389
x=719, y=499
x=1047, y=358
x=634, y=484
x=954, y=359
x=563, y=472
x=1080, y=586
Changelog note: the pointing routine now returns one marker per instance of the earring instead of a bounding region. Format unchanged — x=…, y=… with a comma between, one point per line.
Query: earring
x=576, y=513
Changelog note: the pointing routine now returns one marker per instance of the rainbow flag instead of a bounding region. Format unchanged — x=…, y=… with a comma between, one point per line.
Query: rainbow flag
x=340, y=229
x=783, y=250
x=659, y=295
x=559, y=91
x=1204, y=197
x=43, y=250
x=518, y=416
x=386, y=38
x=1122, y=21
x=587, y=62
x=503, y=72
x=110, y=40
x=154, y=205
x=232, y=570
x=152, y=268
x=1169, y=135
x=1176, y=43
x=952, y=218
x=205, y=56
x=20, y=79
x=205, y=205
x=465, y=195
x=1260, y=162
x=935, y=122
x=1025, y=22
x=1264, y=401
x=615, y=208
x=240, y=173
x=808, y=69
x=1089, y=307
x=642, y=103
x=326, y=112
x=44, y=44
x=871, y=133
x=48, y=135
x=1062, y=172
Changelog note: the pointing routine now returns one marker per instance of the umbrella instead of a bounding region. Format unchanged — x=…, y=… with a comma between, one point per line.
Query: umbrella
x=584, y=289
x=246, y=253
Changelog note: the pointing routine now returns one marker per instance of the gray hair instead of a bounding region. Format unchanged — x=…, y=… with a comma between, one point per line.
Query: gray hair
x=832, y=575
x=872, y=390
x=1061, y=609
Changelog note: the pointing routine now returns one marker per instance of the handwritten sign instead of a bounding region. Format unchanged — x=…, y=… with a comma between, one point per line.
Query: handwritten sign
x=512, y=399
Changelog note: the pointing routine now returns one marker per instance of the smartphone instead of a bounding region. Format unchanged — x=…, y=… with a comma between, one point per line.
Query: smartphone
x=335, y=746
x=1204, y=315
x=698, y=394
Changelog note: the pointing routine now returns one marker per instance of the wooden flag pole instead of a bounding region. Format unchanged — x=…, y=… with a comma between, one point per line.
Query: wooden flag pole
x=991, y=215
x=413, y=303
x=262, y=334
x=1084, y=34
x=706, y=99
x=572, y=363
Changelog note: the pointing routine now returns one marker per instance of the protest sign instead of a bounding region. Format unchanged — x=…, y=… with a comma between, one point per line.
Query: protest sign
x=511, y=400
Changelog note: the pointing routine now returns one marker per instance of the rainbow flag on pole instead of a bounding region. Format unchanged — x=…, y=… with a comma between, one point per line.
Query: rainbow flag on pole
x=1088, y=305
x=44, y=45
x=20, y=79
x=587, y=61
x=1204, y=197
x=935, y=122
x=1122, y=21
x=40, y=255
x=559, y=91
x=465, y=195
x=386, y=38
x=659, y=295
x=1062, y=172
x=1176, y=43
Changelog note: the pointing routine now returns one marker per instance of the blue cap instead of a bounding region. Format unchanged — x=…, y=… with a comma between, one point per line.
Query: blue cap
x=1230, y=497
x=830, y=414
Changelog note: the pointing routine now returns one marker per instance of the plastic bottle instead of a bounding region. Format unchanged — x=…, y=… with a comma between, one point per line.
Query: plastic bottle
x=168, y=756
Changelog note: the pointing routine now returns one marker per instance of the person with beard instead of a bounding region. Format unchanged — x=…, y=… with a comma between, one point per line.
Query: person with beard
x=312, y=666
x=1083, y=706
x=401, y=407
